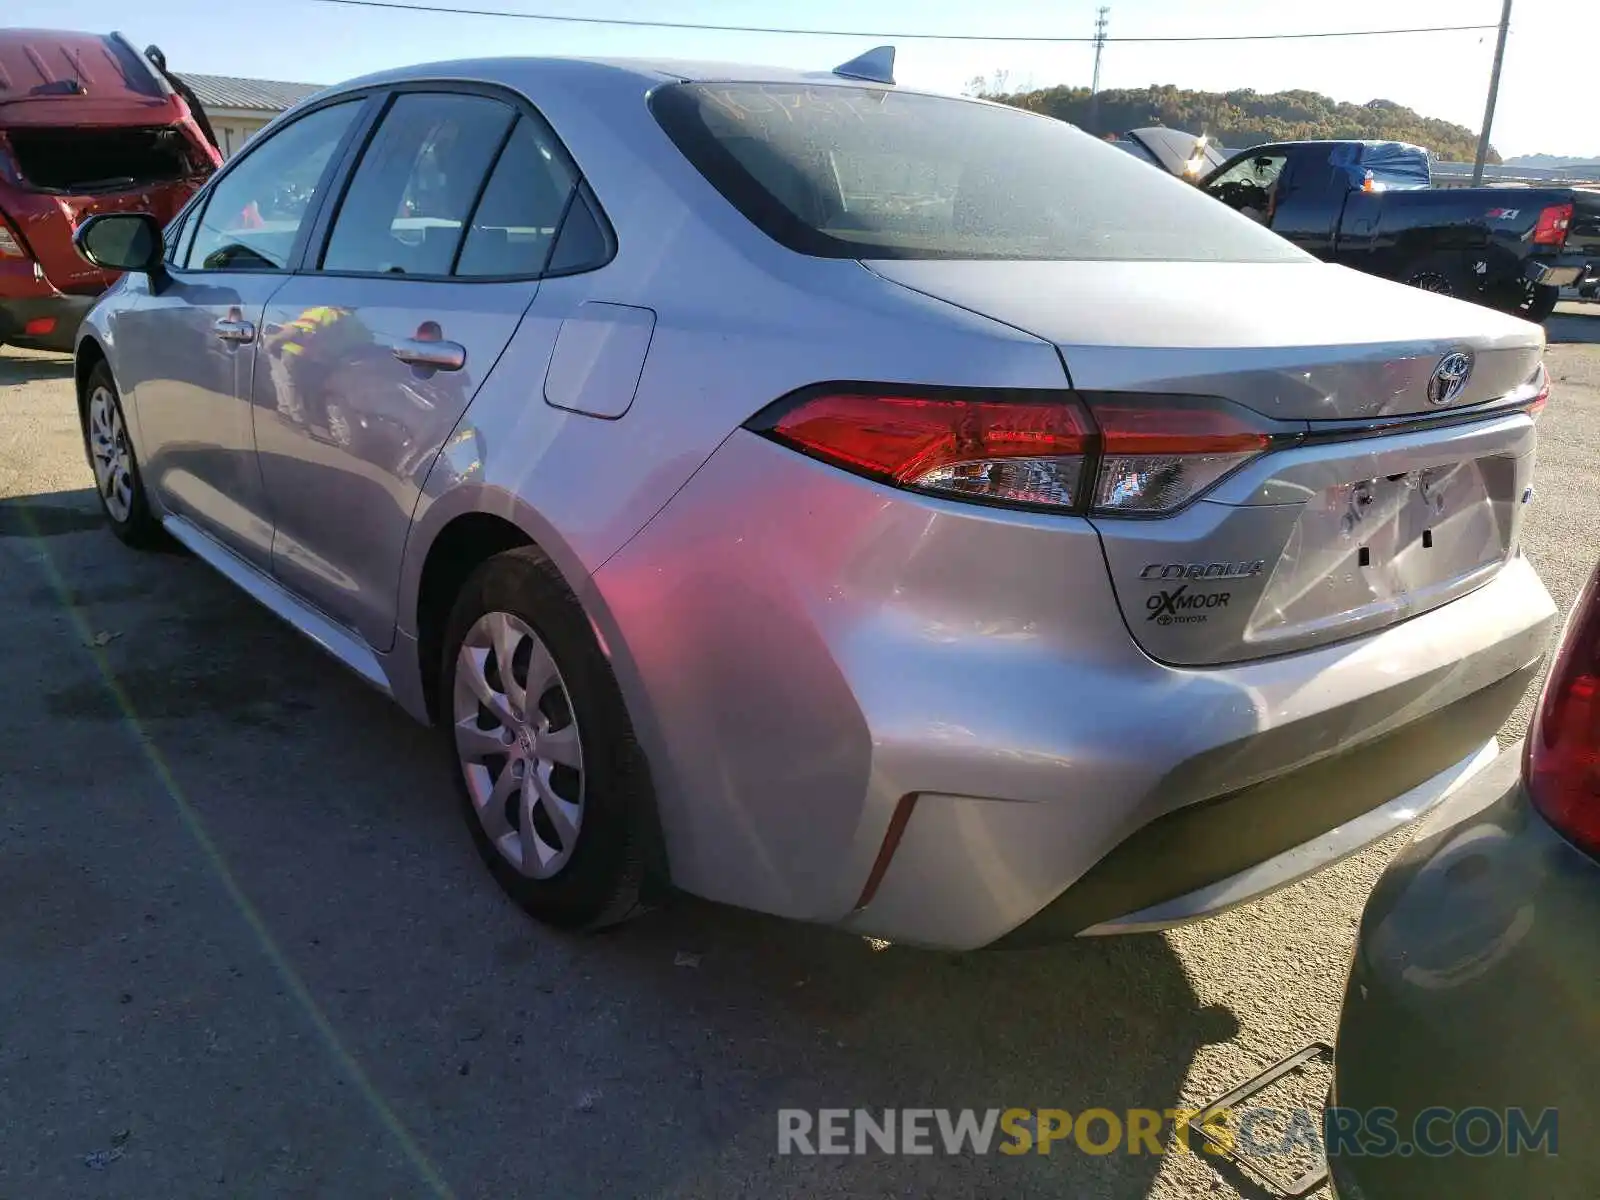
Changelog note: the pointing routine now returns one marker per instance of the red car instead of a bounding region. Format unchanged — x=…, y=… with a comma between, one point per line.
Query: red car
x=88, y=124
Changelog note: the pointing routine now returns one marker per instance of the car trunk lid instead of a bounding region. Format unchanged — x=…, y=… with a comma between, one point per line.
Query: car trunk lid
x=87, y=126
x=1378, y=500
x=1298, y=341
x=45, y=75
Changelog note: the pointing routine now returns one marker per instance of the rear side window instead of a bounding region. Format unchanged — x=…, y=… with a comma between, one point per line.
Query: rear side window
x=410, y=197
x=855, y=172
x=515, y=222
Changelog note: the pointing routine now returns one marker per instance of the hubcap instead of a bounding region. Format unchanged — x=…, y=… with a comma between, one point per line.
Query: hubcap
x=108, y=447
x=518, y=744
x=1431, y=282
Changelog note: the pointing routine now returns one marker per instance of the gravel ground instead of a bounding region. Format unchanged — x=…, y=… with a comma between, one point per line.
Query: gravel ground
x=247, y=950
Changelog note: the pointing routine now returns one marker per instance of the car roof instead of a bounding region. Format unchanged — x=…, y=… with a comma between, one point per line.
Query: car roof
x=635, y=73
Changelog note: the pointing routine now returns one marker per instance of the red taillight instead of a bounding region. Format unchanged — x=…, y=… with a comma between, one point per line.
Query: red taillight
x=1147, y=455
x=1541, y=397
x=38, y=326
x=1551, y=228
x=1028, y=451
x=1157, y=456
x=1562, y=755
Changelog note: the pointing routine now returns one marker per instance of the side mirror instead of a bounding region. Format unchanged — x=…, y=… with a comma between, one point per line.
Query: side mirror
x=121, y=242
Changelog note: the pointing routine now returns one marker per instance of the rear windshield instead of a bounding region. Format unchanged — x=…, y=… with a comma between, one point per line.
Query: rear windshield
x=85, y=159
x=847, y=172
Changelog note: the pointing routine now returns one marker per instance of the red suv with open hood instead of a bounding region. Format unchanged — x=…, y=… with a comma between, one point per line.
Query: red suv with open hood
x=88, y=125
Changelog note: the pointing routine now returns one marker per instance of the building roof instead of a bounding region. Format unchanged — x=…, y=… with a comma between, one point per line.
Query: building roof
x=265, y=95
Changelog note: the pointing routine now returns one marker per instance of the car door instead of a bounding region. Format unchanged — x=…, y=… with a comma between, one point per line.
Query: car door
x=373, y=351
x=1308, y=200
x=189, y=343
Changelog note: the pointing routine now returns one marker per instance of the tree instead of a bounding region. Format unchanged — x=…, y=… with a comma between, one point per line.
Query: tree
x=1243, y=117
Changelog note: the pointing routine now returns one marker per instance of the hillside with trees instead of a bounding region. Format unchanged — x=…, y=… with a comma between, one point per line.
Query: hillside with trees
x=1242, y=118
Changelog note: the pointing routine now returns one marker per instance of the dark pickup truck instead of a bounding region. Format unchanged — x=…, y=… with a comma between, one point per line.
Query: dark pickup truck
x=1370, y=205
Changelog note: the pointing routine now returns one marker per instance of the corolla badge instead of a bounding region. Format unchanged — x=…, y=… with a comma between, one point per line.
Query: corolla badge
x=1450, y=377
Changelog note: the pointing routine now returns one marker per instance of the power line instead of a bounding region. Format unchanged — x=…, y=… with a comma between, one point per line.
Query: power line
x=639, y=23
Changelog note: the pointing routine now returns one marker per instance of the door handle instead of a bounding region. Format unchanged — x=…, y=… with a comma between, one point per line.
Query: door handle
x=437, y=355
x=232, y=329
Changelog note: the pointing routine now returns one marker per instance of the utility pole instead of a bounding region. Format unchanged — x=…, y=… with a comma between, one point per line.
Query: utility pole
x=1494, y=93
x=1099, y=45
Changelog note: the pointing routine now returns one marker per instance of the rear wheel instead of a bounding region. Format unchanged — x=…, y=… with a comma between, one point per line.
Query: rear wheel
x=553, y=785
x=116, y=469
x=1442, y=274
x=1538, y=301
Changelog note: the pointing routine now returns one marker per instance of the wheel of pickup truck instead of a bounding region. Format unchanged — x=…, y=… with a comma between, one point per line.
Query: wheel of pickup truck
x=1530, y=301
x=1444, y=274
x=1539, y=302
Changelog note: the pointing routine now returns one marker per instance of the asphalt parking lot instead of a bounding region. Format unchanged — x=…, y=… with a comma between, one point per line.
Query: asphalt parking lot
x=246, y=948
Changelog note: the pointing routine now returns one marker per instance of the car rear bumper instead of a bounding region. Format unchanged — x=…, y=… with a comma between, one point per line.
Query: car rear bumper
x=1342, y=784
x=1471, y=989
x=43, y=322
x=926, y=721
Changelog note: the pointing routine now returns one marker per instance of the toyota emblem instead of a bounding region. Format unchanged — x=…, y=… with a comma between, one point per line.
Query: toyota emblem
x=1450, y=377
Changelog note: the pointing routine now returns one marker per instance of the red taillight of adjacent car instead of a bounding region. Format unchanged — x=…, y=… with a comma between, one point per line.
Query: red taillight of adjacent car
x=1552, y=225
x=1562, y=755
x=1112, y=454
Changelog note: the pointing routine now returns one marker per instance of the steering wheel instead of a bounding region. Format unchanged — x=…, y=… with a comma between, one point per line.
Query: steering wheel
x=1240, y=194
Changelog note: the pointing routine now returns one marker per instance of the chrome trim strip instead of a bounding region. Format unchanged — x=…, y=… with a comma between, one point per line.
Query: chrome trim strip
x=333, y=639
x=1297, y=862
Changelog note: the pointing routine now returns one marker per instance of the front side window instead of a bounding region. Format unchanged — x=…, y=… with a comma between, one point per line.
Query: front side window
x=856, y=172
x=1251, y=185
x=255, y=211
x=414, y=189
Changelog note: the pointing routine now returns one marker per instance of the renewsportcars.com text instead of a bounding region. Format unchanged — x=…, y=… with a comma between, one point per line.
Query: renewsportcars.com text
x=1258, y=1132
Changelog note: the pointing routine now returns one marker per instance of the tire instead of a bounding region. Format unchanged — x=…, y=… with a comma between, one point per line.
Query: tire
x=118, y=484
x=1444, y=274
x=1541, y=302
x=565, y=790
x=1531, y=302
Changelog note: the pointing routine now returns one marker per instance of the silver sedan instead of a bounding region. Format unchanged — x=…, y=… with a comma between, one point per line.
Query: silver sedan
x=871, y=507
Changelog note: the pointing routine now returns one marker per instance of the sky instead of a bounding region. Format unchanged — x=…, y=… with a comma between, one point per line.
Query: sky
x=1544, y=106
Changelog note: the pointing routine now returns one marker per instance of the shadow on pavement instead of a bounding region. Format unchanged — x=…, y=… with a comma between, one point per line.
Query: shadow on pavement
x=33, y=365
x=649, y=1060
x=1574, y=323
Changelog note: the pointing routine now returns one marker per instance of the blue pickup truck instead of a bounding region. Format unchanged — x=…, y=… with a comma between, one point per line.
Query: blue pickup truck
x=1371, y=206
